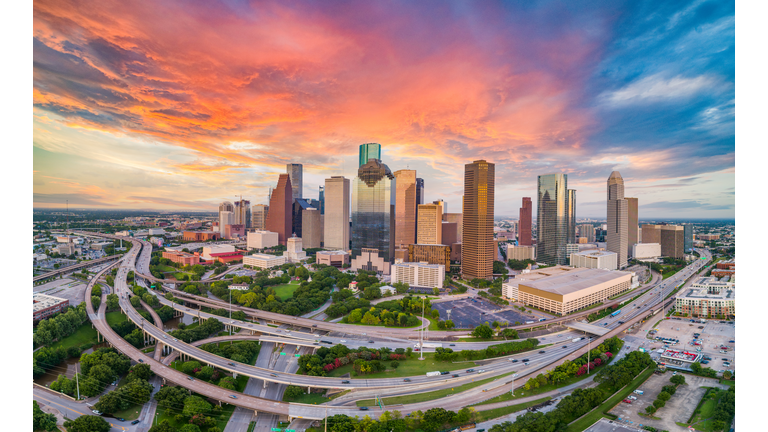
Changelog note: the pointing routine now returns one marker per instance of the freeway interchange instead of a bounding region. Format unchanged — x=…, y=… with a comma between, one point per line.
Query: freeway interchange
x=137, y=260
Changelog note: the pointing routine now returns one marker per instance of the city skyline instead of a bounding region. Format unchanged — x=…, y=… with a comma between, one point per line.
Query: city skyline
x=129, y=115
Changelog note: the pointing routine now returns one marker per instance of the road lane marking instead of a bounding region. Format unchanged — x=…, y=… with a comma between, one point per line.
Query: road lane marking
x=63, y=406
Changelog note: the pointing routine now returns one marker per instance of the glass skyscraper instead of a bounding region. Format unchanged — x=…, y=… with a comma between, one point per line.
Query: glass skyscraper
x=617, y=219
x=369, y=151
x=552, y=219
x=373, y=210
x=572, y=216
x=688, y=237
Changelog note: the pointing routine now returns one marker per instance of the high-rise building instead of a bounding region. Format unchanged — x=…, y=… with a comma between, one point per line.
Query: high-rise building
x=279, y=217
x=225, y=206
x=444, y=204
x=651, y=233
x=552, y=219
x=524, y=226
x=632, y=224
x=430, y=223
x=259, y=217
x=369, y=151
x=296, y=172
x=572, y=216
x=225, y=218
x=432, y=254
x=336, y=218
x=322, y=200
x=420, y=191
x=373, y=212
x=456, y=218
x=299, y=205
x=688, y=237
x=405, y=208
x=617, y=219
x=242, y=213
x=587, y=231
x=311, y=228
x=672, y=241
x=477, y=245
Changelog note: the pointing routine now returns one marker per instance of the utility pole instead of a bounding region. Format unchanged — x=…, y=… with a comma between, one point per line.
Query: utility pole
x=230, y=311
x=326, y=418
x=421, y=334
x=77, y=382
x=589, y=348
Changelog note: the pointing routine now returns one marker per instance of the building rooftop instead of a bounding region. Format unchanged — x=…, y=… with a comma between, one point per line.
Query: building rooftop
x=42, y=301
x=264, y=256
x=419, y=264
x=567, y=280
x=722, y=293
x=335, y=252
x=594, y=253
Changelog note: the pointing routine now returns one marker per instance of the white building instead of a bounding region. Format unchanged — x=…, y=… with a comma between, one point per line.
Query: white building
x=295, y=252
x=156, y=231
x=521, y=253
x=646, y=251
x=208, y=250
x=263, y=260
x=388, y=289
x=262, y=239
x=419, y=274
x=509, y=289
x=239, y=287
x=595, y=259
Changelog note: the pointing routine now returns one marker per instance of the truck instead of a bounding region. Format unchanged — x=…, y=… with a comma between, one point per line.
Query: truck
x=435, y=373
x=529, y=322
x=576, y=339
x=640, y=392
x=432, y=345
x=616, y=313
x=703, y=321
x=467, y=426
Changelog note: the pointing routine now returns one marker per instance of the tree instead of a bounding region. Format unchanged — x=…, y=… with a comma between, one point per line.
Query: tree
x=42, y=420
x=139, y=371
x=87, y=423
x=112, y=301
x=408, y=351
x=394, y=364
x=449, y=324
x=727, y=375
x=194, y=405
x=482, y=331
x=292, y=392
x=658, y=403
x=678, y=379
x=164, y=426
x=435, y=314
x=664, y=396
x=436, y=291
x=189, y=428
x=696, y=367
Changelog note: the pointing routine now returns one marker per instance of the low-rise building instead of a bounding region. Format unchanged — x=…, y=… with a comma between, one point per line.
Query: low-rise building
x=595, y=259
x=521, y=253
x=370, y=260
x=707, y=297
x=430, y=253
x=337, y=258
x=239, y=287
x=216, y=249
x=200, y=236
x=422, y=275
x=262, y=239
x=227, y=257
x=44, y=306
x=182, y=258
x=263, y=261
x=295, y=252
x=646, y=251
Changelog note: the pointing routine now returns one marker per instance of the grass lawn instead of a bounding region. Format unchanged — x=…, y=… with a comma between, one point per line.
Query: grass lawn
x=670, y=272
x=498, y=412
x=410, y=367
x=285, y=291
x=114, y=318
x=84, y=334
x=421, y=397
x=222, y=417
x=594, y=415
x=131, y=413
x=705, y=410
x=166, y=269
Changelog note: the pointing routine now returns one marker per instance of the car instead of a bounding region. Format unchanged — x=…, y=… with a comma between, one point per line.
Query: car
x=515, y=360
x=233, y=396
x=407, y=380
x=452, y=345
x=565, y=346
x=416, y=349
x=314, y=325
x=135, y=422
x=627, y=401
x=370, y=341
x=632, y=397
x=274, y=375
x=481, y=371
x=363, y=408
x=343, y=341
x=455, y=375
x=542, y=352
x=231, y=364
x=121, y=419
x=141, y=361
x=525, y=360
x=605, y=324
x=732, y=341
x=190, y=378
x=526, y=363
x=345, y=382
x=470, y=370
x=97, y=412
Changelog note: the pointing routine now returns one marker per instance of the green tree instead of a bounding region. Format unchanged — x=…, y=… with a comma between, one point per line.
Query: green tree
x=664, y=396
x=449, y=324
x=436, y=291
x=194, y=405
x=189, y=428
x=164, y=426
x=696, y=367
x=292, y=392
x=112, y=301
x=394, y=364
x=658, y=403
x=435, y=314
x=678, y=379
x=408, y=351
x=42, y=420
x=139, y=371
x=87, y=423
x=355, y=316
x=482, y=331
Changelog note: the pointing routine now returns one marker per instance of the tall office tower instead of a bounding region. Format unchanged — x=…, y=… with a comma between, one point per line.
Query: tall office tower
x=336, y=219
x=225, y=219
x=279, y=218
x=444, y=204
x=243, y=213
x=572, y=217
x=405, y=209
x=524, y=226
x=259, y=217
x=672, y=241
x=296, y=172
x=688, y=237
x=225, y=206
x=373, y=213
x=552, y=219
x=311, y=228
x=420, y=191
x=299, y=205
x=458, y=220
x=587, y=231
x=369, y=151
x=632, y=224
x=617, y=219
x=430, y=223
x=651, y=233
x=322, y=200
x=477, y=250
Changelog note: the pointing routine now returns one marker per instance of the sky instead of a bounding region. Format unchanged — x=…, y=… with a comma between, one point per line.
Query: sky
x=171, y=105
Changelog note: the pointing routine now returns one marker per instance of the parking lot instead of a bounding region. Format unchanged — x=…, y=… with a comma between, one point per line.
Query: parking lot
x=678, y=409
x=67, y=288
x=712, y=336
x=469, y=313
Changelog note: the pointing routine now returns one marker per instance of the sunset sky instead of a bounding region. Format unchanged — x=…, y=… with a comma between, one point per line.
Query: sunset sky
x=173, y=105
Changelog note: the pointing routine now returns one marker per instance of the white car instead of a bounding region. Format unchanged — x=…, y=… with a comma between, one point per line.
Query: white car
x=343, y=341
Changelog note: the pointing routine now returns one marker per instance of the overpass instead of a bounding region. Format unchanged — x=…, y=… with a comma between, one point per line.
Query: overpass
x=73, y=268
x=588, y=328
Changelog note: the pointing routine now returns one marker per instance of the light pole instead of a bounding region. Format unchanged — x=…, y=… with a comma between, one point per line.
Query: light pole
x=421, y=334
x=589, y=348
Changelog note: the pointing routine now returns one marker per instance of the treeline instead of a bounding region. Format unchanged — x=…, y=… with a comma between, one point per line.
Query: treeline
x=137, y=391
x=195, y=411
x=726, y=409
x=241, y=352
x=581, y=401
x=98, y=370
x=60, y=326
x=433, y=420
x=364, y=360
x=204, y=330
x=346, y=304
x=403, y=312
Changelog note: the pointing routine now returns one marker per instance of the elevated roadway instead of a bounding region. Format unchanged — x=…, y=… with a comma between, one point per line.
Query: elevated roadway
x=73, y=268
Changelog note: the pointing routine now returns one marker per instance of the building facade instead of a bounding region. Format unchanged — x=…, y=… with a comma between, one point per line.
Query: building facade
x=259, y=217
x=200, y=236
x=707, y=297
x=370, y=259
x=336, y=218
x=633, y=226
x=405, y=208
x=595, y=259
x=672, y=241
x=373, y=212
x=225, y=218
x=242, y=213
x=587, y=231
x=296, y=174
x=521, y=253
x=646, y=251
x=337, y=258
x=43, y=306
x=369, y=151
x=216, y=249
x=225, y=206
x=572, y=216
x=552, y=219
x=431, y=254
x=295, y=252
x=182, y=258
x=687, y=238
x=279, y=218
x=617, y=219
x=477, y=252
x=524, y=234
x=458, y=219
x=420, y=275
x=651, y=233
x=262, y=239
x=312, y=228
x=430, y=224
x=263, y=261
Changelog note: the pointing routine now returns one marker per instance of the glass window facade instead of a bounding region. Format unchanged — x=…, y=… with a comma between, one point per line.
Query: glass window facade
x=552, y=219
x=373, y=210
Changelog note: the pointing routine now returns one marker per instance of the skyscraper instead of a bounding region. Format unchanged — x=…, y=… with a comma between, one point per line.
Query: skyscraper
x=524, y=227
x=587, y=231
x=405, y=208
x=617, y=219
x=311, y=228
x=259, y=217
x=242, y=213
x=632, y=224
x=420, y=191
x=672, y=241
x=299, y=205
x=456, y=218
x=225, y=218
x=322, y=200
x=572, y=216
x=688, y=237
x=373, y=213
x=296, y=172
x=336, y=219
x=430, y=223
x=552, y=219
x=369, y=151
x=279, y=218
x=225, y=206
x=478, y=205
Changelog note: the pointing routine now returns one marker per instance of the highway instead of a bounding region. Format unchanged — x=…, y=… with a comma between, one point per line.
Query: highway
x=72, y=268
